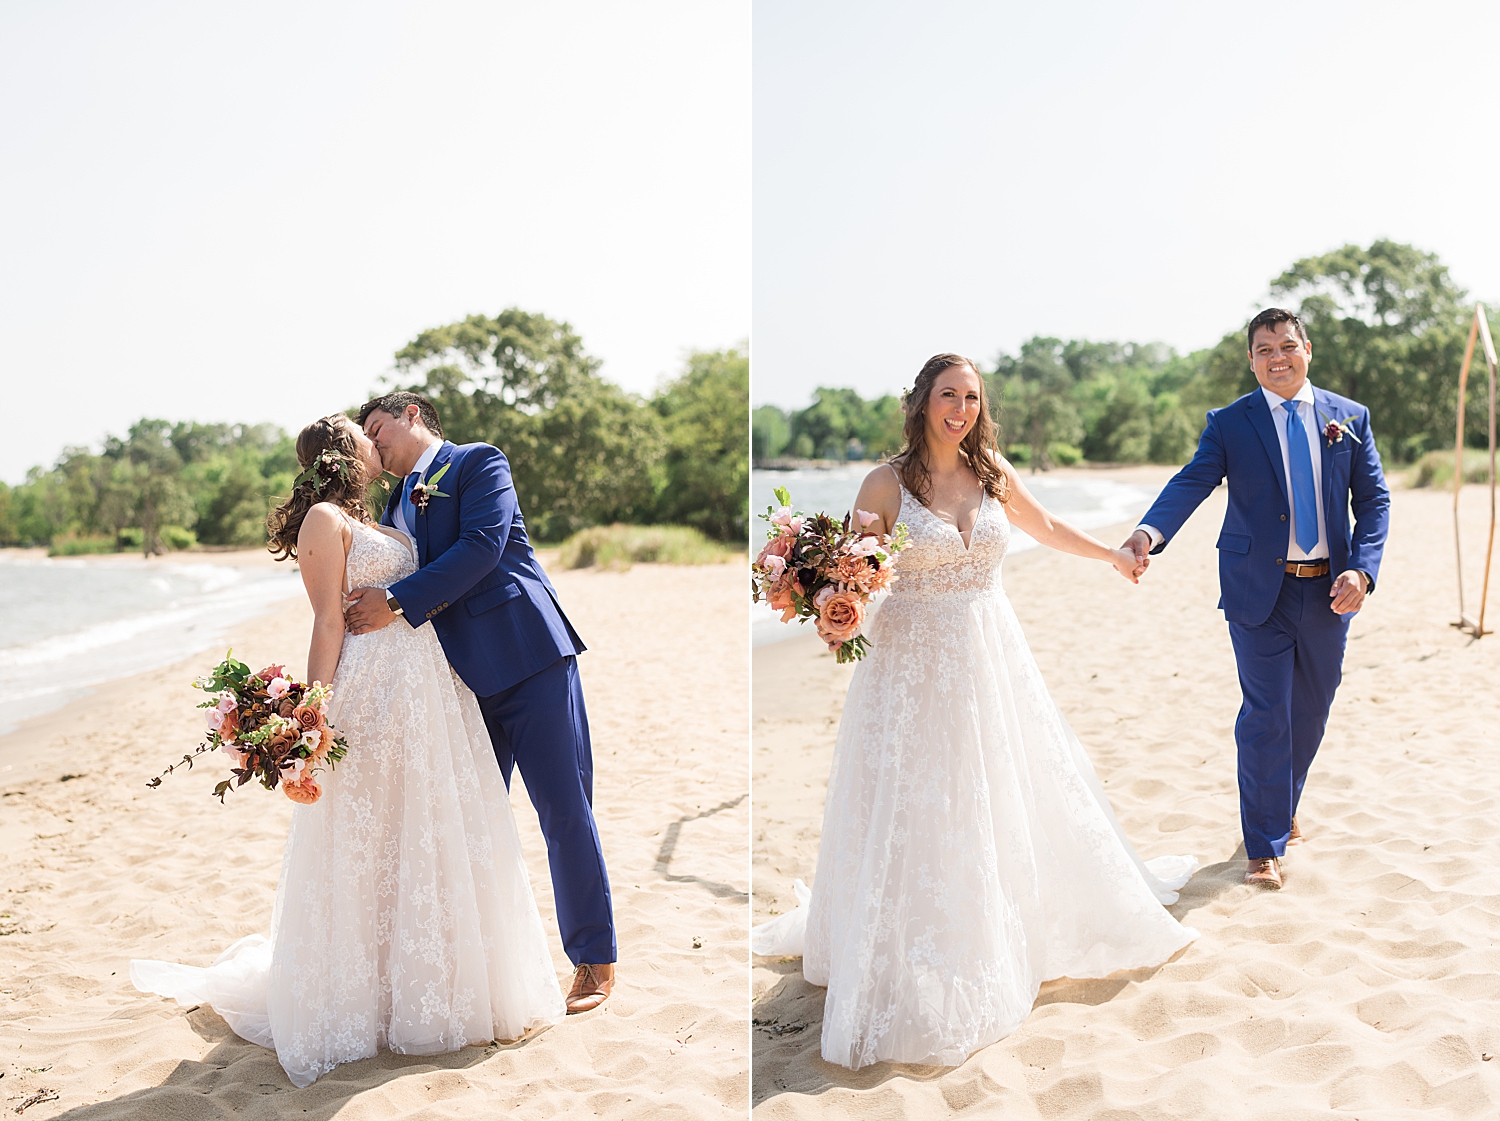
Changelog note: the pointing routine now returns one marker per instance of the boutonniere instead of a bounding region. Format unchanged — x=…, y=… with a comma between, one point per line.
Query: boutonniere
x=425, y=491
x=1336, y=430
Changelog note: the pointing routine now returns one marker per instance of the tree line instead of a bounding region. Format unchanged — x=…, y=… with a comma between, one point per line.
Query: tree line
x=583, y=451
x=1388, y=327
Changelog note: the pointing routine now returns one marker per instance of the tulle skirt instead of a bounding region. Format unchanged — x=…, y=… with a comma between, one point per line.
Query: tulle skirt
x=404, y=917
x=968, y=851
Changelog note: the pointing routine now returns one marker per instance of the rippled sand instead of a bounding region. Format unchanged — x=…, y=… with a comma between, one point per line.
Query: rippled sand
x=98, y=869
x=1368, y=988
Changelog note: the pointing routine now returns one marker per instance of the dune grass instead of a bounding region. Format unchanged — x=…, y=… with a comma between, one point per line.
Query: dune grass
x=619, y=546
x=1435, y=469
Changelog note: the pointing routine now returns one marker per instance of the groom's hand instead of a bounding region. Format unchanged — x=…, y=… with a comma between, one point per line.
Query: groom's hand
x=365, y=610
x=1139, y=543
x=1348, y=592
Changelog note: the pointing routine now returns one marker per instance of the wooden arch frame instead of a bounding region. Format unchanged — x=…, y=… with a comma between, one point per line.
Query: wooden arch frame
x=1479, y=329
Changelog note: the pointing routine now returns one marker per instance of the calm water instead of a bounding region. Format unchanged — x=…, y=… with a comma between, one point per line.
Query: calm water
x=1087, y=503
x=71, y=623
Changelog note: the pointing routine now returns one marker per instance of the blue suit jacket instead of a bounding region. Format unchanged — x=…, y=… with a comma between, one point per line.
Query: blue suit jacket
x=479, y=584
x=1240, y=444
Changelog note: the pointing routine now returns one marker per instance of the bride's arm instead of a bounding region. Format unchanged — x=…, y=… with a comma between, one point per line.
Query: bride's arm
x=1030, y=516
x=880, y=495
x=321, y=552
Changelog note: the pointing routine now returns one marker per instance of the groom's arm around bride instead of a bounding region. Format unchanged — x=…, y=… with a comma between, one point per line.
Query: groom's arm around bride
x=1293, y=566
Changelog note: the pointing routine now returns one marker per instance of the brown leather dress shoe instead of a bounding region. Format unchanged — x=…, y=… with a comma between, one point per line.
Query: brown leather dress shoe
x=1265, y=874
x=1296, y=835
x=591, y=987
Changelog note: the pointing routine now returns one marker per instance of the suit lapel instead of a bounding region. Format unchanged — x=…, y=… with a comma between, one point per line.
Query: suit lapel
x=1324, y=408
x=1265, y=427
x=424, y=517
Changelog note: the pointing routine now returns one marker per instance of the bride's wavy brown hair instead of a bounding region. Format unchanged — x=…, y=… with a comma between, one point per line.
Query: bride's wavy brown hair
x=338, y=478
x=980, y=448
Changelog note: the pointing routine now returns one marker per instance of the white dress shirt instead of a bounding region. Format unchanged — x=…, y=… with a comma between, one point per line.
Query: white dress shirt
x=1307, y=413
x=399, y=517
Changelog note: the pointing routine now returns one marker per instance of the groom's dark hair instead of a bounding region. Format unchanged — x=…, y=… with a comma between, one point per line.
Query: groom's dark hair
x=1269, y=318
x=396, y=404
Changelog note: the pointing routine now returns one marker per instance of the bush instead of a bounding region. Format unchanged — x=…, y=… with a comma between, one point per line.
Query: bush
x=82, y=546
x=1435, y=469
x=1019, y=454
x=131, y=537
x=1065, y=455
x=619, y=546
x=178, y=538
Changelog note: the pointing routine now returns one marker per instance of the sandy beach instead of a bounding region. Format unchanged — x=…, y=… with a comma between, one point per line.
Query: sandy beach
x=100, y=869
x=1368, y=988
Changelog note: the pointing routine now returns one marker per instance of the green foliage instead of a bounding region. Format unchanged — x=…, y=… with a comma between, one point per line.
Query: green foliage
x=1435, y=469
x=838, y=425
x=619, y=546
x=214, y=482
x=83, y=546
x=1388, y=328
x=584, y=452
x=704, y=416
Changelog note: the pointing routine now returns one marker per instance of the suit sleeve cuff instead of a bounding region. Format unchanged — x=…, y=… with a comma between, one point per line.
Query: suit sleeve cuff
x=1152, y=532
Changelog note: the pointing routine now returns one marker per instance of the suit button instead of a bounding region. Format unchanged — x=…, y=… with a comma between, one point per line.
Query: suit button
x=1283, y=517
x=1279, y=560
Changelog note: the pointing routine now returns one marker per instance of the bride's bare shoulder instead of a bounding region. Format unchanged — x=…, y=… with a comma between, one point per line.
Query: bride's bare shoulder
x=882, y=482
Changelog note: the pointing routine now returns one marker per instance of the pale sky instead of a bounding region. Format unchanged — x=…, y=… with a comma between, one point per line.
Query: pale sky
x=239, y=211
x=961, y=176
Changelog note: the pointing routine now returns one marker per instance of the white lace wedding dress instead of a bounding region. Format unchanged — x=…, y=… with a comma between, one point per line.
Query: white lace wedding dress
x=968, y=851
x=404, y=917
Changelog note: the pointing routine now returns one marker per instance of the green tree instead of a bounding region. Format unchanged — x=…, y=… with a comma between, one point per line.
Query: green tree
x=705, y=416
x=770, y=432
x=582, y=451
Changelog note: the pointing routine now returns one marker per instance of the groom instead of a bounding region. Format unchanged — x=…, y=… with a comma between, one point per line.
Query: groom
x=497, y=616
x=1292, y=570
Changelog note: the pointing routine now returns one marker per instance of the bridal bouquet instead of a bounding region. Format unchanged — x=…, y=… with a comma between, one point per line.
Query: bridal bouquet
x=813, y=567
x=271, y=727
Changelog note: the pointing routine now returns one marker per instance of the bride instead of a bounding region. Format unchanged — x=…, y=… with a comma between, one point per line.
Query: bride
x=404, y=918
x=968, y=852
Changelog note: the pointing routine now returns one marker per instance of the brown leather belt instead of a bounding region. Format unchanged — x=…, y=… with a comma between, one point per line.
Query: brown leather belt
x=1307, y=568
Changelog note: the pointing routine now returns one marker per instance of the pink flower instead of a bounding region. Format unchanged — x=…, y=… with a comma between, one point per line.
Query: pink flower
x=227, y=703
x=839, y=618
x=777, y=547
x=823, y=595
x=774, y=566
x=865, y=547
x=277, y=688
x=790, y=524
x=294, y=765
x=236, y=756
x=865, y=518
x=215, y=719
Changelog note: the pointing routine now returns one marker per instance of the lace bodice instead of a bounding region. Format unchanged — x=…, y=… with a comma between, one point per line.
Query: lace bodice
x=936, y=563
x=376, y=559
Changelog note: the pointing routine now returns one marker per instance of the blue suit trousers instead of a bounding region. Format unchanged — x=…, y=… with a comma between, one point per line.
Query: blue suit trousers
x=1289, y=666
x=539, y=725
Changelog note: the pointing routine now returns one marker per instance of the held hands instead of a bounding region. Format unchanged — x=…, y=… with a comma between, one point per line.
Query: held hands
x=1133, y=558
x=1128, y=563
x=1348, y=592
x=365, y=610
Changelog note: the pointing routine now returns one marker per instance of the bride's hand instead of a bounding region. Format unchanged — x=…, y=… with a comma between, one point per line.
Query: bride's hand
x=1127, y=565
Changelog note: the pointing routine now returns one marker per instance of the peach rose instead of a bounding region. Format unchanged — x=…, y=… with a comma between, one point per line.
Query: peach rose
x=229, y=725
x=305, y=791
x=307, y=718
x=780, y=594
x=840, y=618
x=286, y=708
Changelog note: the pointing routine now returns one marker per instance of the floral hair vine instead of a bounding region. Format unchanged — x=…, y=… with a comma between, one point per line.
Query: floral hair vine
x=325, y=467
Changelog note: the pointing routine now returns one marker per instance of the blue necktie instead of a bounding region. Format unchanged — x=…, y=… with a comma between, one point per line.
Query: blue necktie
x=408, y=510
x=1304, y=489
